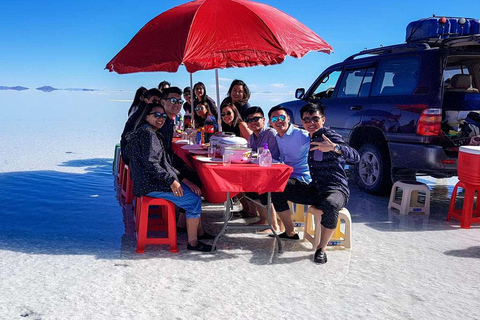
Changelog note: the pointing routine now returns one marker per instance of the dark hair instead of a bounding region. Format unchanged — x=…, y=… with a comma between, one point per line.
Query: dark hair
x=246, y=91
x=200, y=84
x=143, y=117
x=311, y=107
x=167, y=91
x=227, y=102
x=136, y=100
x=186, y=89
x=277, y=108
x=152, y=92
x=199, y=120
x=253, y=110
x=163, y=84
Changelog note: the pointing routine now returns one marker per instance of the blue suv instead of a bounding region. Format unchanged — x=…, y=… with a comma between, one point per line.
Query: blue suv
x=408, y=107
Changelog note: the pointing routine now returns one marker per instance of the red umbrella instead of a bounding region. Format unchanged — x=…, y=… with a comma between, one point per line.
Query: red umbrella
x=211, y=34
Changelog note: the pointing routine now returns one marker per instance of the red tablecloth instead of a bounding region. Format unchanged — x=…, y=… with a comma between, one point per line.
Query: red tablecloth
x=217, y=179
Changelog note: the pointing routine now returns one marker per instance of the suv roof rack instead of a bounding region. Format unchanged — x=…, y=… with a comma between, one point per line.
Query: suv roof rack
x=391, y=49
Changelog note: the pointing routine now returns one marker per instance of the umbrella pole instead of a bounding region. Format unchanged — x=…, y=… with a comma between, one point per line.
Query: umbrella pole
x=191, y=100
x=218, y=102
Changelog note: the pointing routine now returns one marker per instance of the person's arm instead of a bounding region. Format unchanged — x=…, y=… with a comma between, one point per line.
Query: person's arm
x=245, y=132
x=332, y=139
x=272, y=145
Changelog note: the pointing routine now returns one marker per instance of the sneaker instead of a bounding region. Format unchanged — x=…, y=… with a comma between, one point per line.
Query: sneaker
x=206, y=236
x=200, y=246
x=285, y=236
x=320, y=257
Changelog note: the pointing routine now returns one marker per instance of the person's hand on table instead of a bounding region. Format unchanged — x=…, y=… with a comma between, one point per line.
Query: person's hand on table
x=192, y=187
x=177, y=188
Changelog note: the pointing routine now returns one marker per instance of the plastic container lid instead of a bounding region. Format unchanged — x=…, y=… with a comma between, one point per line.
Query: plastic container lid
x=233, y=141
x=470, y=149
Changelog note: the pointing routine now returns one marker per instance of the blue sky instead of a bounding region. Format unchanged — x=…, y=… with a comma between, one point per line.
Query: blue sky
x=68, y=43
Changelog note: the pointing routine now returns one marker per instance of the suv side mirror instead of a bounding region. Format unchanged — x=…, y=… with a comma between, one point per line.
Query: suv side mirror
x=299, y=93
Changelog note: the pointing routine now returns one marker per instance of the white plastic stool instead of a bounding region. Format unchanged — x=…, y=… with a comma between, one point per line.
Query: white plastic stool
x=298, y=217
x=410, y=198
x=339, y=238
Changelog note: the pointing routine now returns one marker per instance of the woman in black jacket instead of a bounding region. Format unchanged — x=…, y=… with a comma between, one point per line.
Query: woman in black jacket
x=153, y=174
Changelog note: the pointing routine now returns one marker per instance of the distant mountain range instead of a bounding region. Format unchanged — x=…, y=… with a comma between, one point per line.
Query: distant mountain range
x=45, y=89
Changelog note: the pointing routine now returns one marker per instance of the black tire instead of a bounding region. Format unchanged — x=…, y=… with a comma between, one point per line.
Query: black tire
x=373, y=171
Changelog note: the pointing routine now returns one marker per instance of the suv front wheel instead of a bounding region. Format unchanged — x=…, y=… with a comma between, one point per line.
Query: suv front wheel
x=373, y=170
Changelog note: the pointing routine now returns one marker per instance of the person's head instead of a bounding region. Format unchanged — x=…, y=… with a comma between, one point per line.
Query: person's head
x=152, y=96
x=255, y=119
x=239, y=91
x=313, y=117
x=202, y=109
x=186, y=95
x=163, y=85
x=139, y=95
x=172, y=101
x=199, y=91
x=229, y=112
x=279, y=119
x=153, y=114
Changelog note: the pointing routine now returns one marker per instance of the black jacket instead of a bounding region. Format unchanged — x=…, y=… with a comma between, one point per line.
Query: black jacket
x=150, y=166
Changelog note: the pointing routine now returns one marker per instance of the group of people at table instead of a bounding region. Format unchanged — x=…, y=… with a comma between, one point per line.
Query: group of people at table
x=316, y=153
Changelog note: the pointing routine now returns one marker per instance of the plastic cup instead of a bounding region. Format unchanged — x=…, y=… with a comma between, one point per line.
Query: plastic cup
x=227, y=159
x=211, y=152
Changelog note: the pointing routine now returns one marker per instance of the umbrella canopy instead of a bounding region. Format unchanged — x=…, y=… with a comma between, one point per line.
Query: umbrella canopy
x=212, y=34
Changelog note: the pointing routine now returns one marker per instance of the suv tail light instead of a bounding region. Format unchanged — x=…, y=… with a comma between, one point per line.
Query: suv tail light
x=429, y=123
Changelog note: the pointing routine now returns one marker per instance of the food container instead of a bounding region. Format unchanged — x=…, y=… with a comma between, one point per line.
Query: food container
x=231, y=142
x=215, y=139
x=239, y=154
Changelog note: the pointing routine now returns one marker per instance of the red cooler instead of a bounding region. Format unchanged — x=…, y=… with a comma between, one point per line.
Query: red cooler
x=469, y=164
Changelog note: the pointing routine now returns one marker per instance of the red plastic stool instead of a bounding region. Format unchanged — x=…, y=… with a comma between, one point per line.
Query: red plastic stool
x=466, y=215
x=121, y=165
x=127, y=185
x=168, y=222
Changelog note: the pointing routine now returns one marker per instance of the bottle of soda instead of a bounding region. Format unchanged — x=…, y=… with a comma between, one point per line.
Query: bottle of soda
x=209, y=128
x=265, y=158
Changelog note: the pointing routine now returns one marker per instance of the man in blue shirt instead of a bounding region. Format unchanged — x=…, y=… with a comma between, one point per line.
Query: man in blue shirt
x=255, y=119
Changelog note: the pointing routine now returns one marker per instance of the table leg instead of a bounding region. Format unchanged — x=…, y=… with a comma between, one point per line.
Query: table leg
x=226, y=218
x=269, y=219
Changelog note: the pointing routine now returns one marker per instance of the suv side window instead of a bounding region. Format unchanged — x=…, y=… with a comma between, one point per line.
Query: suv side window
x=327, y=85
x=396, y=76
x=356, y=83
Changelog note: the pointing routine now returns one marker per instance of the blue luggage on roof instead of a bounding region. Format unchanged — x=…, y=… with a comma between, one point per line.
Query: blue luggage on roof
x=439, y=28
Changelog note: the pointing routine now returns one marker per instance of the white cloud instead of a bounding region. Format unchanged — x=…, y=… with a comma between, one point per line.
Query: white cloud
x=225, y=79
x=277, y=85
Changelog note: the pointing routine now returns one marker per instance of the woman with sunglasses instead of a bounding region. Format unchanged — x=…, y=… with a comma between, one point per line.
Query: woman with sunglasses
x=153, y=174
x=232, y=121
x=201, y=96
x=202, y=112
x=239, y=93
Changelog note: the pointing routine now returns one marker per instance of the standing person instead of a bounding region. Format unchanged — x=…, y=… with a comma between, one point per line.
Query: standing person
x=154, y=176
x=201, y=96
x=163, y=85
x=151, y=96
x=240, y=94
x=187, y=105
x=137, y=100
x=328, y=192
x=232, y=121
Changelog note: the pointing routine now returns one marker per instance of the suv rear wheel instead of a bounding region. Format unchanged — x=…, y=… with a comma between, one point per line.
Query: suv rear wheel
x=373, y=170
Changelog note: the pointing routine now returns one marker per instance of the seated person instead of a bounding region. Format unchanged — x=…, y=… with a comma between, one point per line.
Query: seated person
x=153, y=174
x=202, y=112
x=261, y=134
x=232, y=121
x=328, y=192
x=200, y=92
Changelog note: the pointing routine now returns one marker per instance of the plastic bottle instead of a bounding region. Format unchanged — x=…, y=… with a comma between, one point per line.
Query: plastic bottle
x=187, y=120
x=209, y=128
x=202, y=136
x=265, y=158
x=199, y=135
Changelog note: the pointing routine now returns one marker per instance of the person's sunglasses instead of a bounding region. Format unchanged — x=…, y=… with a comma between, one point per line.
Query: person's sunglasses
x=228, y=113
x=159, y=115
x=156, y=101
x=199, y=108
x=279, y=118
x=175, y=100
x=254, y=119
x=312, y=119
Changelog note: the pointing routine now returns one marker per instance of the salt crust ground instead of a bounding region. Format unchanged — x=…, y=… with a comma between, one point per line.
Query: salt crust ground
x=67, y=249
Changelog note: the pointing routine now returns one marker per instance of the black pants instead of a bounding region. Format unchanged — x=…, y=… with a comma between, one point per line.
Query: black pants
x=330, y=201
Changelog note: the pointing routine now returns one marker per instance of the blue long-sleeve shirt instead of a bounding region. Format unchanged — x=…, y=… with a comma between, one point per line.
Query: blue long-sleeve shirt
x=328, y=168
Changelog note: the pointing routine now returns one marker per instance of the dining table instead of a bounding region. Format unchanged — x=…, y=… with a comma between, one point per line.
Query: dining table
x=221, y=183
